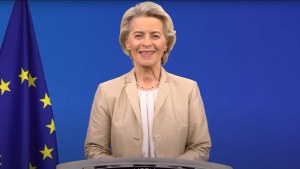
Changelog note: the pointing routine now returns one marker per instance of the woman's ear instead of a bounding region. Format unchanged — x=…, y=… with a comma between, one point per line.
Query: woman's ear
x=127, y=45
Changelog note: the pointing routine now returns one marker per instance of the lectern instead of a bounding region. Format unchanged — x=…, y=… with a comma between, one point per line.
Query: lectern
x=140, y=163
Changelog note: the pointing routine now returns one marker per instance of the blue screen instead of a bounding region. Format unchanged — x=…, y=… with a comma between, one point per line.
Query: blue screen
x=245, y=57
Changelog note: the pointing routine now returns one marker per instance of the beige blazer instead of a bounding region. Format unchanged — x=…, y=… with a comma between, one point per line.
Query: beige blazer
x=179, y=125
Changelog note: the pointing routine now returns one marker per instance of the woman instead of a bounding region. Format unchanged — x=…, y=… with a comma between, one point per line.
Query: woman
x=148, y=112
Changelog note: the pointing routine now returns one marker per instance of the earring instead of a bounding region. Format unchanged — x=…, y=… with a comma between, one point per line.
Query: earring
x=128, y=48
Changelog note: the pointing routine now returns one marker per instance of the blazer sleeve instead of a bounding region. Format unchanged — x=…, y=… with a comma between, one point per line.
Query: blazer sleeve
x=198, y=142
x=97, y=143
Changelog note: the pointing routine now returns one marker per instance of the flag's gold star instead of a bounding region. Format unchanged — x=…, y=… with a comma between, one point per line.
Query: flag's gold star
x=23, y=75
x=31, y=167
x=4, y=86
x=46, y=152
x=51, y=126
x=31, y=80
x=46, y=100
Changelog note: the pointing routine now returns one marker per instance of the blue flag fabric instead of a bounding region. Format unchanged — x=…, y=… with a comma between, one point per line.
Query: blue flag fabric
x=27, y=129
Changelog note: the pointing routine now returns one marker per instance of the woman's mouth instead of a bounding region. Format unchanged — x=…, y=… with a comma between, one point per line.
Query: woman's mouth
x=146, y=53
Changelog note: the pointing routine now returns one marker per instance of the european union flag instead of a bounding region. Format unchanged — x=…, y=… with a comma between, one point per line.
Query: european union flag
x=27, y=130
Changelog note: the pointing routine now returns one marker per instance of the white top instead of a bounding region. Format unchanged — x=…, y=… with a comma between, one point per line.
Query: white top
x=147, y=100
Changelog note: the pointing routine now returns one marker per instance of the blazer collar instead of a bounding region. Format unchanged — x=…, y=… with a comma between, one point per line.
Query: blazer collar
x=163, y=91
x=132, y=93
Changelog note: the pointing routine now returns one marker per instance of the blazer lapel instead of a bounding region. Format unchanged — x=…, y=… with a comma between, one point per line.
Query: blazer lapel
x=163, y=91
x=131, y=91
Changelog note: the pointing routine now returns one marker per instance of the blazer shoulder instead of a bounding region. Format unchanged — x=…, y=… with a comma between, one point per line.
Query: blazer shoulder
x=183, y=86
x=113, y=85
x=175, y=79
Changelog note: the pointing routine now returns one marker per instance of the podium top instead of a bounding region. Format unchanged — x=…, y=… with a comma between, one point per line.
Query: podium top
x=140, y=163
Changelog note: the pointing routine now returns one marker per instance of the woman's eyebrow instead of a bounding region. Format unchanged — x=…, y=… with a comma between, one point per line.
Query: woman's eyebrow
x=136, y=32
x=154, y=32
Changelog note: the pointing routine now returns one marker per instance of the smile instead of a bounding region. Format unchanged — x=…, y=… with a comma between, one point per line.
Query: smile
x=146, y=53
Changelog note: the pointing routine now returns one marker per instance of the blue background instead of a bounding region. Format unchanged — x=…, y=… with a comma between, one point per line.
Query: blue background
x=245, y=57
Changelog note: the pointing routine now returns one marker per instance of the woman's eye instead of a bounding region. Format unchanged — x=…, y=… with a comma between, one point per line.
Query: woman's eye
x=138, y=36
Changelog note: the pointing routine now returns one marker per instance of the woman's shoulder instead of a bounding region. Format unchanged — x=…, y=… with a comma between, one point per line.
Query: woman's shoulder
x=182, y=84
x=114, y=83
x=176, y=79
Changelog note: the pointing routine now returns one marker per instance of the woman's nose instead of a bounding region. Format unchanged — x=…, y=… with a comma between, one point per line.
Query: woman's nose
x=146, y=43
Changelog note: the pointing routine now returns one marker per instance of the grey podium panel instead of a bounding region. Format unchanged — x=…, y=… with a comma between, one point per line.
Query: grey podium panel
x=140, y=163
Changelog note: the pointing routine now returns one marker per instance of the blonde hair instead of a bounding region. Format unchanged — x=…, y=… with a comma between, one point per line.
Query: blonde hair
x=149, y=9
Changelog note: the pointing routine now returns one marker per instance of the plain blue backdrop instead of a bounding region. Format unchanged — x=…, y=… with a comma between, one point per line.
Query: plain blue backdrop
x=245, y=57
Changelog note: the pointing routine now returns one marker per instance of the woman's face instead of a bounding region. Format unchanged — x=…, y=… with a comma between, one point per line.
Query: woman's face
x=146, y=41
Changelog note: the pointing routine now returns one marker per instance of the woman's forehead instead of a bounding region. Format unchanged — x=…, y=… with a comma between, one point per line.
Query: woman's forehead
x=148, y=24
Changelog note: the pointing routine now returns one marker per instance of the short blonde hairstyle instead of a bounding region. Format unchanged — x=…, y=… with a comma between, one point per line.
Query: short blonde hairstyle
x=148, y=9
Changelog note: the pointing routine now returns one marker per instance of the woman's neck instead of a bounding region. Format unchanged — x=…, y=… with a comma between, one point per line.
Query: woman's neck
x=147, y=78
